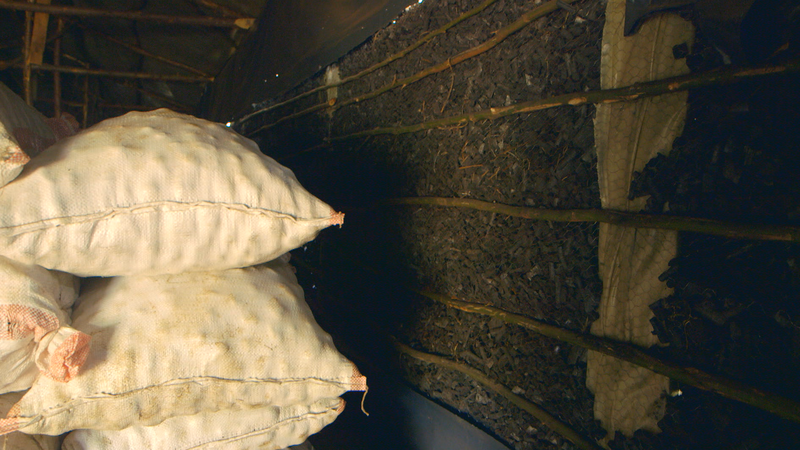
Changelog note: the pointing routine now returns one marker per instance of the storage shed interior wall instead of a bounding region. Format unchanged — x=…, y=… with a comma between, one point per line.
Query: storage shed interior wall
x=735, y=310
x=422, y=136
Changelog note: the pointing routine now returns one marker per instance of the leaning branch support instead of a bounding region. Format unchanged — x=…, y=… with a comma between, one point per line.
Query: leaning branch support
x=633, y=92
x=626, y=94
x=498, y=36
x=535, y=410
x=732, y=230
x=783, y=407
x=427, y=37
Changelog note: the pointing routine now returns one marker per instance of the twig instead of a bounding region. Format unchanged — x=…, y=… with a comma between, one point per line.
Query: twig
x=535, y=410
x=449, y=91
x=497, y=37
x=783, y=407
x=732, y=230
x=427, y=37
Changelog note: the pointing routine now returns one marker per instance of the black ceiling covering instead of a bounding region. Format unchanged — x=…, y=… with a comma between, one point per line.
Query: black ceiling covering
x=292, y=41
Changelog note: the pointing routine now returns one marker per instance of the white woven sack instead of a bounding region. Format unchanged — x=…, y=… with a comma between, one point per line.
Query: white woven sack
x=34, y=337
x=22, y=441
x=17, y=118
x=174, y=345
x=269, y=428
x=24, y=133
x=153, y=193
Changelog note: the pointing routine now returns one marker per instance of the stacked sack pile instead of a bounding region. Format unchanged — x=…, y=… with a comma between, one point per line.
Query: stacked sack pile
x=193, y=331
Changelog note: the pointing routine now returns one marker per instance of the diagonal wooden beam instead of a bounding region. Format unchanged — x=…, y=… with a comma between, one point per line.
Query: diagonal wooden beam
x=36, y=39
x=38, y=35
x=158, y=97
x=143, y=52
x=121, y=74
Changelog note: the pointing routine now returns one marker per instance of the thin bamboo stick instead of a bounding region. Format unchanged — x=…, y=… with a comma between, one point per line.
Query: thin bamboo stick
x=138, y=107
x=785, y=233
x=497, y=37
x=75, y=60
x=535, y=410
x=783, y=407
x=427, y=37
x=120, y=74
x=85, y=102
x=144, y=52
x=57, y=75
x=26, y=64
x=57, y=10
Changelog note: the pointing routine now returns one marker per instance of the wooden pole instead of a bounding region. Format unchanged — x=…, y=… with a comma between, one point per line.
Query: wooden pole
x=732, y=230
x=625, y=94
x=57, y=10
x=26, y=66
x=57, y=63
x=120, y=74
x=86, y=102
x=633, y=92
x=535, y=410
x=783, y=407
x=38, y=37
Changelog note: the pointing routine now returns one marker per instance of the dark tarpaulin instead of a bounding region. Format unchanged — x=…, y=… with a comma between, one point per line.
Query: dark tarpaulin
x=292, y=41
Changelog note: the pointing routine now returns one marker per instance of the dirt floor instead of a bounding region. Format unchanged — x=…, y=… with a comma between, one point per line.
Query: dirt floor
x=735, y=310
